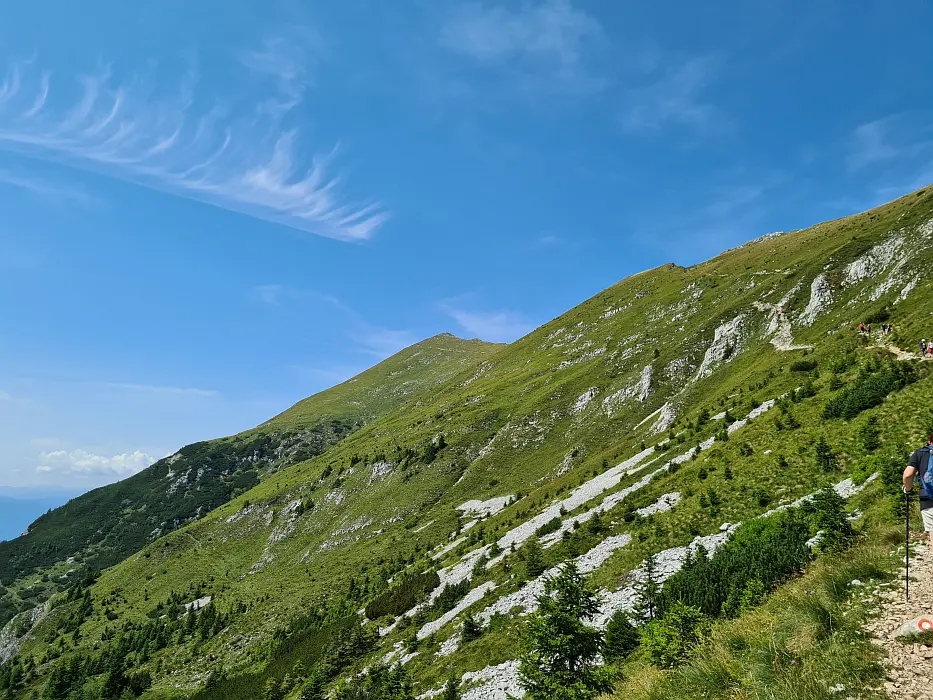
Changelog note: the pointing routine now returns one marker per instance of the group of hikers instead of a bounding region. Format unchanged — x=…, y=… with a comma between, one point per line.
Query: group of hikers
x=926, y=348
x=886, y=328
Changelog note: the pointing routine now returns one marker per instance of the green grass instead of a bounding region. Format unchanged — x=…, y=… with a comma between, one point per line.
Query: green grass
x=509, y=419
x=108, y=524
x=805, y=641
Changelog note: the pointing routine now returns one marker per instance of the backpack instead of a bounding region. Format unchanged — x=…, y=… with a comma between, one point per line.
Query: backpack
x=926, y=476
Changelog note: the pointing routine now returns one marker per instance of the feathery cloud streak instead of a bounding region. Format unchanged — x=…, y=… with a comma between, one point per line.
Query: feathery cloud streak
x=186, y=146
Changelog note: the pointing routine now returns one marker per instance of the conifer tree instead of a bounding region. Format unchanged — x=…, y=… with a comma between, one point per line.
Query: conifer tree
x=559, y=660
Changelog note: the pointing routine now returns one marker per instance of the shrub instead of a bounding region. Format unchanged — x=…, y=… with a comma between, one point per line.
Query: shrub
x=879, y=316
x=870, y=434
x=378, y=683
x=471, y=629
x=865, y=468
x=741, y=600
x=552, y=525
x=768, y=549
x=450, y=595
x=803, y=366
x=622, y=637
x=403, y=596
x=869, y=390
x=668, y=641
x=825, y=457
x=827, y=513
x=534, y=558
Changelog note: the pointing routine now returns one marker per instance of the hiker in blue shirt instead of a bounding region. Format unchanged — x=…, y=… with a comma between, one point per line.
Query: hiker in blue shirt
x=919, y=465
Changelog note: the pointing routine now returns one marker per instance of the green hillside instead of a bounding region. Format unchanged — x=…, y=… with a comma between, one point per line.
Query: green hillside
x=104, y=526
x=654, y=417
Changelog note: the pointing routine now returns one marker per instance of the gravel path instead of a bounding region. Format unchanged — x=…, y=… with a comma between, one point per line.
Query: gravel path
x=909, y=666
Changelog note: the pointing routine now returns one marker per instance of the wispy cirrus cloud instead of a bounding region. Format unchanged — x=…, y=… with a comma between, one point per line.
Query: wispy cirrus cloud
x=544, y=44
x=49, y=190
x=280, y=294
x=161, y=390
x=672, y=94
x=494, y=326
x=383, y=342
x=370, y=339
x=897, y=137
x=213, y=149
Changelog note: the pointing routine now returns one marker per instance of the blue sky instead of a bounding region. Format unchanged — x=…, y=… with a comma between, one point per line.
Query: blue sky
x=213, y=209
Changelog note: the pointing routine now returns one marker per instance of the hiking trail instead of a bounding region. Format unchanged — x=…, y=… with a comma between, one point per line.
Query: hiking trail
x=900, y=354
x=909, y=667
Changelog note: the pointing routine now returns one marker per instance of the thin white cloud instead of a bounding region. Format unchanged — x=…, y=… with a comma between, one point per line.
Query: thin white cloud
x=6, y=396
x=675, y=98
x=287, y=61
x=161, y=390
x=282, y=294
x=383, y=342
x=493, y=326
x=270, y=294
x=48, y=190
x=545, y=40
x=897, y=137
x=251, y=164
x=82, y=463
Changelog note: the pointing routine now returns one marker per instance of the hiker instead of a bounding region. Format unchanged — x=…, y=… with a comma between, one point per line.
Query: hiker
x=861, y=327
x=919, y=465
x=923, y=347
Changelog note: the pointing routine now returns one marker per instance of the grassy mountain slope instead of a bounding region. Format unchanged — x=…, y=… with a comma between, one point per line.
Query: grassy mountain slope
x=618, y=405
x=104, y=526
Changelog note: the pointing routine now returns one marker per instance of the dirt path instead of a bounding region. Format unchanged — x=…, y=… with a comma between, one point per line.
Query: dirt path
x=900, y=354
x=909, y=666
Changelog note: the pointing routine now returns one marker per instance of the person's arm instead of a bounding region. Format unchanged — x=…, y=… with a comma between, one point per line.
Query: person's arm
x=909, y=474
x=913, y=468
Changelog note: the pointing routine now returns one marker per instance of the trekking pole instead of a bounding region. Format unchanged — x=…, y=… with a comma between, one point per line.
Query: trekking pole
x=907, y=548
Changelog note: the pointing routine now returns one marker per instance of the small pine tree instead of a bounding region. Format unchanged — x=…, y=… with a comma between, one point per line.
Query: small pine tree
x=648, y=589
x=622, y=637
x=827, y=511
x=273, y=690
x=560, y=650
x=870, y=434
x=825, y=457
x=451, y=688
x=534, y=558
x=471, y=629
x=596, y=524
x=667, y=641
x=312, y=688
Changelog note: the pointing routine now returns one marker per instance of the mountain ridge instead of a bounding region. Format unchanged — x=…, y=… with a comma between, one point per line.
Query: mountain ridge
x=106, y=524
x=640, y=421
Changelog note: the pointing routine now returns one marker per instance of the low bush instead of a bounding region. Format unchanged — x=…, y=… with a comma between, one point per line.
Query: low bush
x=769, y=550
x=552, y=525
x=667, y=641
x=451, y=595
x=869, y=390
x=803, y=366
x=403, y=596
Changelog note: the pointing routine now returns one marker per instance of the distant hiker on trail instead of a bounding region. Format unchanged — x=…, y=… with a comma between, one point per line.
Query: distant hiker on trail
x=923, y=347
x=919, y=465
x=861, y=327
